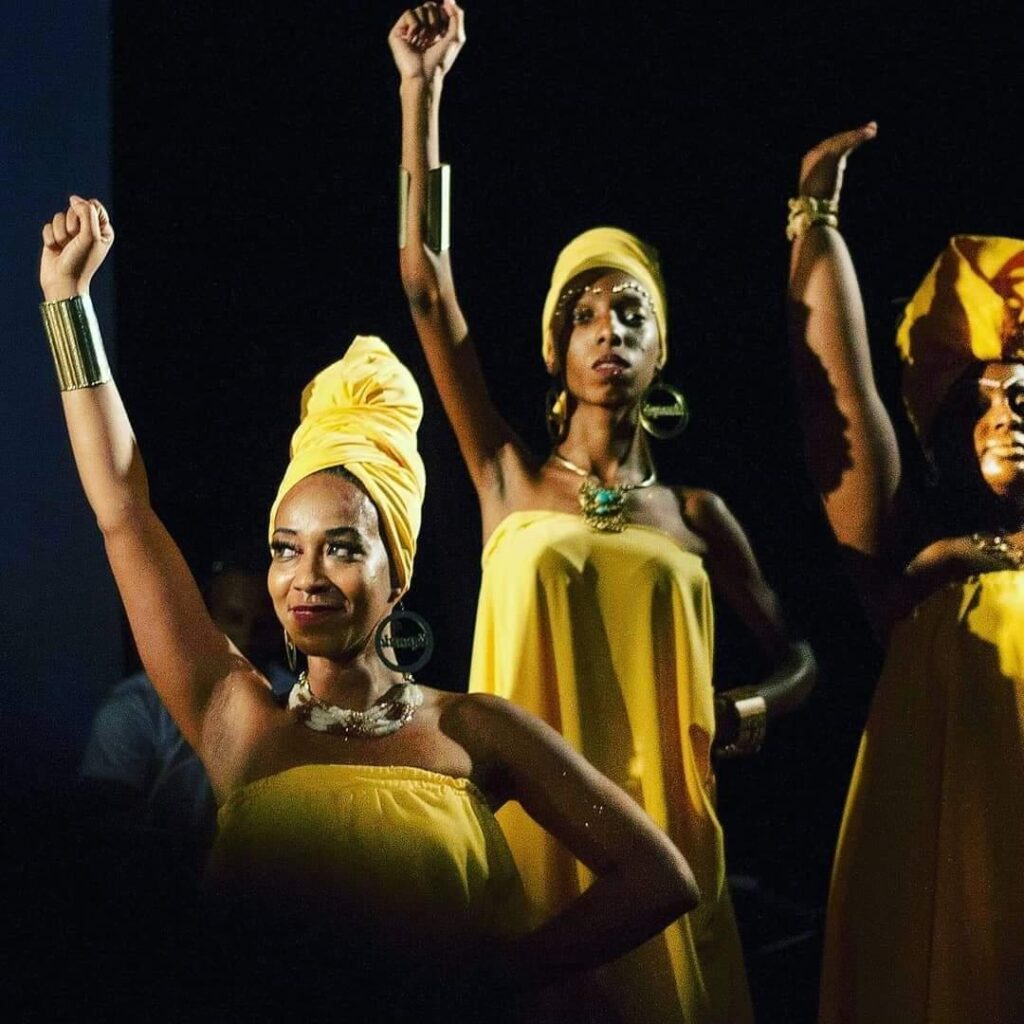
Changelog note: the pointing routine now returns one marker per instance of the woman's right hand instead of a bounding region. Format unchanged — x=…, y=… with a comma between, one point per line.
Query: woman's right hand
x=426, y=40
x=821, y=170
x=75, y=242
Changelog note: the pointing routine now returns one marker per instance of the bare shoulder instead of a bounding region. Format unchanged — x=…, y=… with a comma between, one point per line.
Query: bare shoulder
x=479, y=715
x=703, y=510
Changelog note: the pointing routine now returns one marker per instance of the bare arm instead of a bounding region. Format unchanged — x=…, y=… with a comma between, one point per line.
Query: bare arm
x=735, y=573
x=851, y=445
x=642, y=881
x=189, y=660
x=425, y=42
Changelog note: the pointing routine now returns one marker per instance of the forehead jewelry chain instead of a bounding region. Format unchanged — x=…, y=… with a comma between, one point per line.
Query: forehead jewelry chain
x=385, y=716
x=603, y=505
x=570, y=295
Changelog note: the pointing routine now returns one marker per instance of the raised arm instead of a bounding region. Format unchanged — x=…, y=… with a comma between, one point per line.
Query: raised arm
x=425, y=42
x=851, y=445
x=189, y=660
x=642, y=882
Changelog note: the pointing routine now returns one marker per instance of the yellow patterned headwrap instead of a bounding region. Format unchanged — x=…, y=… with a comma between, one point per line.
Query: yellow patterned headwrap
x=969, y=308
x=362, y=413
x=614, y=249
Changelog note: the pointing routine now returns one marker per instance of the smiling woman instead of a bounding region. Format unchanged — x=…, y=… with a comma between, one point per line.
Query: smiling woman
x=356, y=826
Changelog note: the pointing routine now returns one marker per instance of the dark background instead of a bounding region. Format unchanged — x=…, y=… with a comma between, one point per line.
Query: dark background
x=254, y=155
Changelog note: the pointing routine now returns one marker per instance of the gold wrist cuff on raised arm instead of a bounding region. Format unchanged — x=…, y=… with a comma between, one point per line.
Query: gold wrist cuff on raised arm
x=753, y=720
x=76, y=343
x=805, y=211
x=439, y=208
x=404, y=181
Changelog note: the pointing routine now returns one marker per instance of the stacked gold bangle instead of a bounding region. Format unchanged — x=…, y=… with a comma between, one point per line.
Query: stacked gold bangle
x=439, y=207
x=752, y=713
x=805, y=211
x=76, y=343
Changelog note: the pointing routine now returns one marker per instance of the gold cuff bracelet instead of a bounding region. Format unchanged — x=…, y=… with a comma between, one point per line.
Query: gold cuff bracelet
x=76, y=343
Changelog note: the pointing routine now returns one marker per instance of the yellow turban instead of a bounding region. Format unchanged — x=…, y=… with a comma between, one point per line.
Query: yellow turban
x=362, y=413
x=968, y=309
x=614, y=249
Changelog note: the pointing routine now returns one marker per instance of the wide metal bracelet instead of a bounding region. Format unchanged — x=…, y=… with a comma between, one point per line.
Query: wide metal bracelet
x=76, y=343
x=404, y=181
x=753, y=715
x=439, y=208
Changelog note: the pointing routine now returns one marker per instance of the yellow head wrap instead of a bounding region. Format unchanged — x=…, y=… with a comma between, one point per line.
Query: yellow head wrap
x=613, y=249
x=362, y=413
x=969, y=308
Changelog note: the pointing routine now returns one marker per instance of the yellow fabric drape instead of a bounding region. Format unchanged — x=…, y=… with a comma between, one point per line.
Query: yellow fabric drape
x=362, y=412
x=926, y=908
x=407, y=852
x=608, y=638
x=969, y=308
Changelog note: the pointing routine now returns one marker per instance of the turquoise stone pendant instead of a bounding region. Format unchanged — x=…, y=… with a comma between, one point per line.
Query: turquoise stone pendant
x=603, y=506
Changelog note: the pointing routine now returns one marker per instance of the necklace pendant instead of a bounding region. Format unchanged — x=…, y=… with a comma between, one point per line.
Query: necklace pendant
x=603, y=506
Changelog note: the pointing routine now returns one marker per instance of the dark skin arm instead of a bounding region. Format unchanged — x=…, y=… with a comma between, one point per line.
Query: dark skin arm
x=425, y=42
x=642, y=882
x=734, y=572
x=214, y=694
x=851, y=443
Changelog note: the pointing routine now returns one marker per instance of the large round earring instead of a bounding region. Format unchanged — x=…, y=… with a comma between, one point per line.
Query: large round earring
x=291, y=652
x=404, y=641
x=555, y=418
x=664, y=411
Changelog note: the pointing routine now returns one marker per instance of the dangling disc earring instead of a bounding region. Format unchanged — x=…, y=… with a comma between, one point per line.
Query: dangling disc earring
x=664, y=411
x=404, y=641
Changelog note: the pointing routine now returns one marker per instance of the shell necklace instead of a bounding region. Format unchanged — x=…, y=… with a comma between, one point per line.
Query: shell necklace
x=384, y=716
x=603, y=505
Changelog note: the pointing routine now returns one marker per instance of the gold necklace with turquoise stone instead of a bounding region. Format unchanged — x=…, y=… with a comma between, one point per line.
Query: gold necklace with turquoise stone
x=603, y=505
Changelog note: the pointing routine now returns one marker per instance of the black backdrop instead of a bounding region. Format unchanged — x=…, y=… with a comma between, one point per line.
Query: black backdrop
x=254, y=167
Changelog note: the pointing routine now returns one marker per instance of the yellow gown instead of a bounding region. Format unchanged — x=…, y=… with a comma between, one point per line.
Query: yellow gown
x=354, y=887
x=608, y=638
x=926, y=908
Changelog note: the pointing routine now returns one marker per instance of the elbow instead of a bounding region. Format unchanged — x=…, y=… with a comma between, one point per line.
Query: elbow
x=670, y=883
x=119, y=517
x=424, y=296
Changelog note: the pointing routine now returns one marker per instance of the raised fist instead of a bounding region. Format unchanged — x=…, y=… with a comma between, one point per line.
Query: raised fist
x=75, y=243
x=426, y=40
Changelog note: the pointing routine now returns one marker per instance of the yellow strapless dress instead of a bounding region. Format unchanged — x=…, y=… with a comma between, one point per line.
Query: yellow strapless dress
x=405, y=850
x=926, y=908
x=608, y=638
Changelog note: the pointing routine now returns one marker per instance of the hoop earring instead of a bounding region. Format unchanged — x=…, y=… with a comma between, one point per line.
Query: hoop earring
x=664, y=411
x=291, y=652
x=413, y=637
x=555, y=414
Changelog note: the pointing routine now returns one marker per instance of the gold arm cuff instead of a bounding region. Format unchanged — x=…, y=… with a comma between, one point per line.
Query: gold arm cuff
x=404, y=182
x=439, y=208
x=753, y=716
x=76, y=343
x=805, y=211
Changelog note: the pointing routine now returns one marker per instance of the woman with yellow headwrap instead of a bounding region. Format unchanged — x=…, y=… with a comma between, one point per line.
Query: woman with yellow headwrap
x=356, y=823
x=595, y=611
x=926, y=907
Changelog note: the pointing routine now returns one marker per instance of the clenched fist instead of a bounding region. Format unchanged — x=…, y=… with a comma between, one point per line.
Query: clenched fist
x=426, y=40
x=75, y=243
